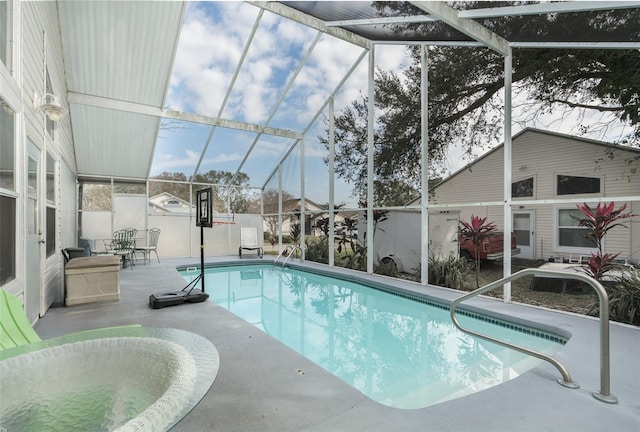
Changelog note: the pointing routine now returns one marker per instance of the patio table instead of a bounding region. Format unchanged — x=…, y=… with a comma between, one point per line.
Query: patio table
x=120, y=378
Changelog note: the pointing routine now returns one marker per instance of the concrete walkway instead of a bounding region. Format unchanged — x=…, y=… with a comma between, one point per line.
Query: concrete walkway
x=263, y=385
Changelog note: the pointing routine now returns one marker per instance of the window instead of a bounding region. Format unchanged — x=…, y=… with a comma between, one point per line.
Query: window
x=4, y=32
x=51, y=231
x=7, y=239
x=570, y=185
x=8, y=227
x=51, y=179
x=51, y=200
x=570, y=234
x=7, y=147
x=522, y=188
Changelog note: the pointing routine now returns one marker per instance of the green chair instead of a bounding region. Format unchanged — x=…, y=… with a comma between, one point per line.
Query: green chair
x=15, y=328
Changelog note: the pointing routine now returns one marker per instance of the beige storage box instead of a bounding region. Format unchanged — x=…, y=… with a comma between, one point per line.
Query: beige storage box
x=92, y=279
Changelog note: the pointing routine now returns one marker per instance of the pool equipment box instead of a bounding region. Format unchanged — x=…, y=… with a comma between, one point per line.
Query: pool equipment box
x=92, y=279
x=160, y=300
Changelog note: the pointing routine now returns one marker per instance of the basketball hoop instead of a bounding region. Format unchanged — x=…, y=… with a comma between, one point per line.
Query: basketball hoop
x=229, y=219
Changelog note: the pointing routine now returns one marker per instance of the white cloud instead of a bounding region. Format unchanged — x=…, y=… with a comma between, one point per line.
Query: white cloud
x=171, y=162
x=211, y=43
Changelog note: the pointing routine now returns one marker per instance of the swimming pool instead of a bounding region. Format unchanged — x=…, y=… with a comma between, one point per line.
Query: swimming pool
x=398, y=351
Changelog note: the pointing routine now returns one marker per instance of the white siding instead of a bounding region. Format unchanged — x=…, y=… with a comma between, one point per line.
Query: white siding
x=543, y=156
x=38, y=19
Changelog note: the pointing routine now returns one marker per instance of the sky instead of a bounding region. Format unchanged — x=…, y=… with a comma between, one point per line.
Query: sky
x=212, y=41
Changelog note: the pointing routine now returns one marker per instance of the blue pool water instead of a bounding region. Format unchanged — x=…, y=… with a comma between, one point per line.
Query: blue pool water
x=398, y=351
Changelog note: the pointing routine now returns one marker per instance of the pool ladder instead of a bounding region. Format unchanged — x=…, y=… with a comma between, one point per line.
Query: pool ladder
x=289, y=250
x=604, y=394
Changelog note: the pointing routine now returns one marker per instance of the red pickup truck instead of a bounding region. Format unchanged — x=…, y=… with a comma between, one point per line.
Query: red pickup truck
x=491, y=247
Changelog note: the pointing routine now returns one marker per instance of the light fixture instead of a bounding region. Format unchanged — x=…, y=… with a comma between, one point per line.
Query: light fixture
x=5, y=106
x=50, y=105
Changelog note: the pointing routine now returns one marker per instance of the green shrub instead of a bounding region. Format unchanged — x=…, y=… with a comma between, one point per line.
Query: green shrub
x=624, y=298
x=317, y=251
x=386, y=268
x=451, y=272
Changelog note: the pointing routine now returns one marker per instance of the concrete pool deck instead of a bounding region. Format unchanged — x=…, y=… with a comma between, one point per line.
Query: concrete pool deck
x=262, y=385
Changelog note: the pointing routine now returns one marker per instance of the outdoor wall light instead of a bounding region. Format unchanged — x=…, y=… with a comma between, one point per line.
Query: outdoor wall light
x=50, y=105
x=5, y=107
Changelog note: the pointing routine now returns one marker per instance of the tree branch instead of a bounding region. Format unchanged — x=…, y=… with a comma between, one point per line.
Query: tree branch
x=587, y=106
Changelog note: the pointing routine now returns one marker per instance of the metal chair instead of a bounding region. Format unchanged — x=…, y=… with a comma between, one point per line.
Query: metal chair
x=152, y=245
x=249, y=241
x=123, y=245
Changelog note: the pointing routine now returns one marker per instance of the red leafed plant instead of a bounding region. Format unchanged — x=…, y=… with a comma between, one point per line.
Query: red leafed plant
x=599, y=221
x=598, y=264
x=476, y=231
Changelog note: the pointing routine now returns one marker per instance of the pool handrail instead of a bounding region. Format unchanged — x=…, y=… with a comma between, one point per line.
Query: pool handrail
x=291, y=250
x=286, y=248
x=605, y=393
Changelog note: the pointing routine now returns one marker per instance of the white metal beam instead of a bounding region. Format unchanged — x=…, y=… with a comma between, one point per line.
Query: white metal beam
x=545, y=8
x=312, y=22
x=424, y=155
x=506, y=241
x=167, y=84
x=284, y=93
x=230, y=88
x=371, y=118
x=577, y=45
x=379, y=21
x=320, y=110
x=100, y=102
x=332, y=180
x=450, y=16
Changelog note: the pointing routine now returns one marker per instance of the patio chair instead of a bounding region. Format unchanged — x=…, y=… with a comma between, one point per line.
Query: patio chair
x=152, y=245
x=249, y=241
x=123, y=245
x=15, y=328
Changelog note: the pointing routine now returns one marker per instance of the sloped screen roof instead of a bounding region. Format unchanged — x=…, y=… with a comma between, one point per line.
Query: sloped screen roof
x=121, y=60
x=513, y=21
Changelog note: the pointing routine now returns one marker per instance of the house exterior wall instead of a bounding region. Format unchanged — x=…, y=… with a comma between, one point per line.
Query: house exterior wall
x=24, y=75
x=543, y=156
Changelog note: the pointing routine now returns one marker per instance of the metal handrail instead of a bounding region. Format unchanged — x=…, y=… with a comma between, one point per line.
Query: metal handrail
x=281, y=254
x=605, y=392
x=290, y=254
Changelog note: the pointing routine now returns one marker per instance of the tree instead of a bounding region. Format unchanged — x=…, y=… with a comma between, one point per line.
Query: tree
x=270, y=200
x=178, y=186
x=465, y=89
x=225, y=186
x=229, y=187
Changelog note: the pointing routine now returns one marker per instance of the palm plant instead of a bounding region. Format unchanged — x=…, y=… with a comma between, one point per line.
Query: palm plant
x=624, y=289
x=476, y=231
x=599, y=221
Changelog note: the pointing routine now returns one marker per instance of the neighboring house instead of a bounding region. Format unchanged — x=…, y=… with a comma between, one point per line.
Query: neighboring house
x=313, y=212
x=551, y=168
x=167, y=203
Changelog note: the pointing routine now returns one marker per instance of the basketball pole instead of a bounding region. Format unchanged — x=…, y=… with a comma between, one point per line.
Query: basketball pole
x=202, y=257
